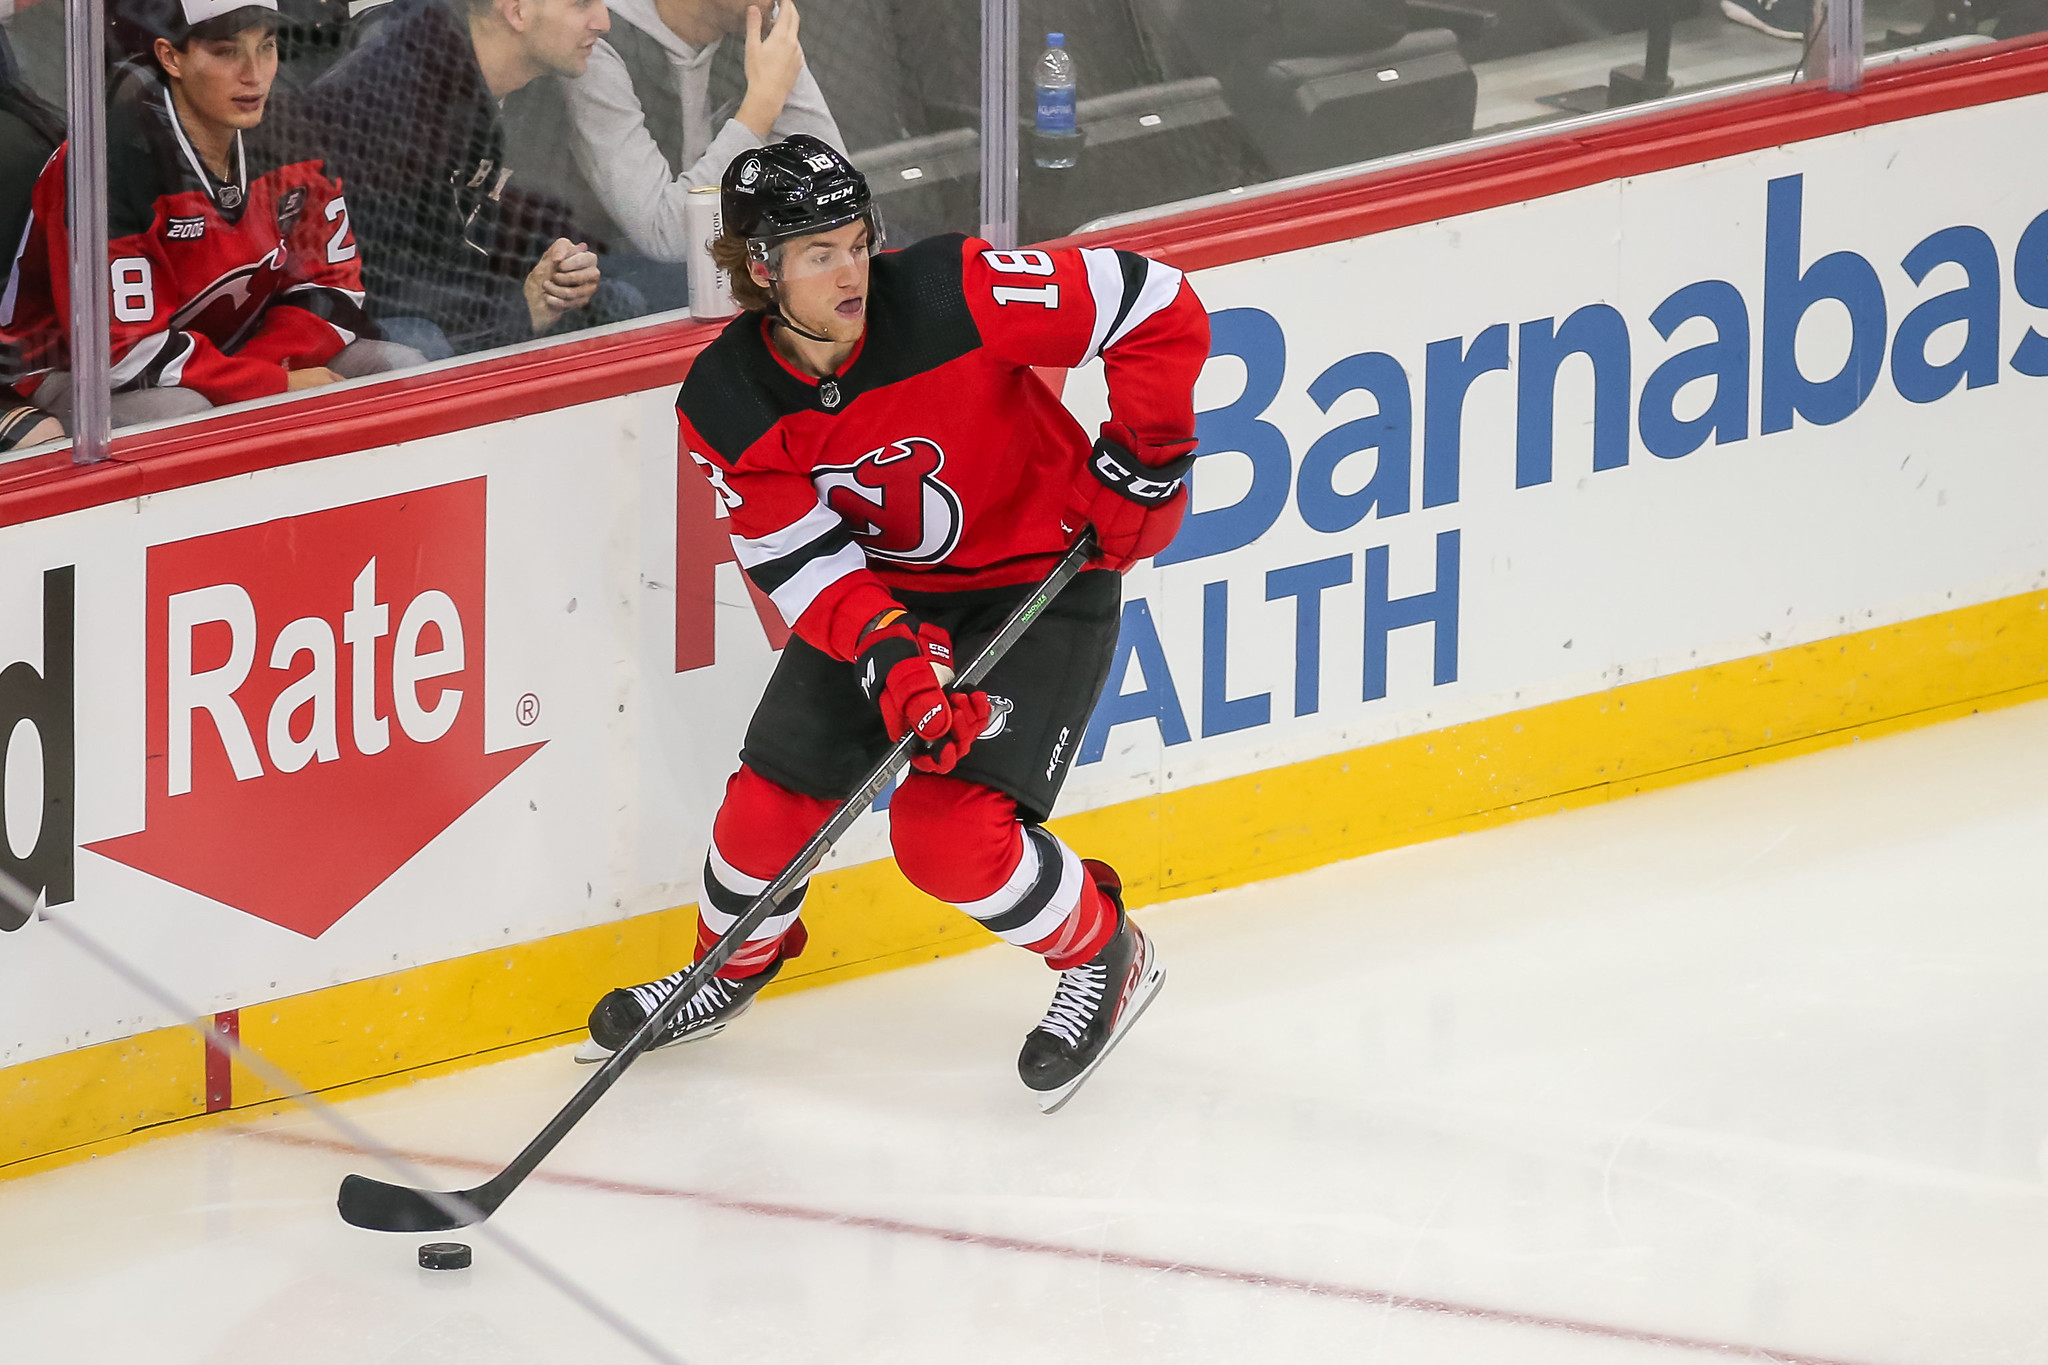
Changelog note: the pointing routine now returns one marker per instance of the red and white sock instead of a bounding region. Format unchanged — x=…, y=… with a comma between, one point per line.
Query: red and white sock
x=759, y=828
x=1049, y=904
x=963, y=843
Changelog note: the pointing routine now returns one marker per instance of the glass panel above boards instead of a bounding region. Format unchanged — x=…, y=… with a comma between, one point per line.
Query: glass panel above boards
x=1175, y=101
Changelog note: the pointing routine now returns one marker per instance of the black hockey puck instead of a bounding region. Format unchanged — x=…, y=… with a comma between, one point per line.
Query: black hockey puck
x=444, y=1256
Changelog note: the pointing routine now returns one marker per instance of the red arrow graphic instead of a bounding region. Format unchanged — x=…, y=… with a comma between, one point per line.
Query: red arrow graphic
x=315, y=693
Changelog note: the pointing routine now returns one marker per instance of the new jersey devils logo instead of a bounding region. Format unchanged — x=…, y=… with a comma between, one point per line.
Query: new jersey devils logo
x=222, y=308
x=892, y=499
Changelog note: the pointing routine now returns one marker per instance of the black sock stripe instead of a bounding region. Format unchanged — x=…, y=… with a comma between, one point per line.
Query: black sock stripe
x=727, y=901
x=1050, y=869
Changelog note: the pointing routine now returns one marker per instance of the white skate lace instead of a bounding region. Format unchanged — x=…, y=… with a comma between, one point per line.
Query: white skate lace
x=709, y=999
x=1075, y=1001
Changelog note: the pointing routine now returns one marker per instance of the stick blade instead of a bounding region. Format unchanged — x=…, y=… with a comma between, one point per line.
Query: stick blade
x=372, y=1204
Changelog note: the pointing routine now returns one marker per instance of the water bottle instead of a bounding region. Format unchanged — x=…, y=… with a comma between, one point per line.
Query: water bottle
x=1057, y=142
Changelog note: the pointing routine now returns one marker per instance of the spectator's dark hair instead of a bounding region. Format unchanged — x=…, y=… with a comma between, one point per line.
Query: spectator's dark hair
x=729, y=253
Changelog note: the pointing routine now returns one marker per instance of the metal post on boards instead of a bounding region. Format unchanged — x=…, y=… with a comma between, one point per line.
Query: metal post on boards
x=999, y=62
x=85, y=189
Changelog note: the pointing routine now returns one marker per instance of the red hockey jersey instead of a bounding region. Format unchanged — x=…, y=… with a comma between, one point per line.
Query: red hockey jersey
x=935, y=459
x=217, y=284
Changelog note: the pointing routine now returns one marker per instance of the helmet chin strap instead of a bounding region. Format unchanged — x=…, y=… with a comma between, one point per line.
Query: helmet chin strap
x=781, y=319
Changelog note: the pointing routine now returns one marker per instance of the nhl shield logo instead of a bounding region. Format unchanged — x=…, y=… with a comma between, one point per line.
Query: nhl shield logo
x=230, y=197
x=999, y=709
x=828, y=394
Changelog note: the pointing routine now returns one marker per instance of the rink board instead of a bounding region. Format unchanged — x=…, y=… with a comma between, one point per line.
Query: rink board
x=389, y=757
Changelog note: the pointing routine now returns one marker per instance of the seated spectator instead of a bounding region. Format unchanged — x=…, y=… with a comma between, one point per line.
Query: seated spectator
x=456, y=256
x=234, y=271
x=666, y=105
x=31, y=128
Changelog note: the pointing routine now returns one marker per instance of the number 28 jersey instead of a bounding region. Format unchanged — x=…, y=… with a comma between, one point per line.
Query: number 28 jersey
x=218, y=285
x=935, y=460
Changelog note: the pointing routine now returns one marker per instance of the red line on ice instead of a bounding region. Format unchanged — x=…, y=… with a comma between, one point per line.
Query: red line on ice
x=1127, y=1260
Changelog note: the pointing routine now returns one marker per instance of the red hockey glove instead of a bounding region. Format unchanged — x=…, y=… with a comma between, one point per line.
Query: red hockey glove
x=1135, y=501
x=904, y=665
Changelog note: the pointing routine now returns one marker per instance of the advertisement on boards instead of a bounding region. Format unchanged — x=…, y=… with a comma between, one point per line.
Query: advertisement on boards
x=1468, y=467
x=324, y=722
x=312, y=725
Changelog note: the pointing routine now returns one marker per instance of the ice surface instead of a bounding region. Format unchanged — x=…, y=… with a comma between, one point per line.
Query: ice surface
x=1755, y=1068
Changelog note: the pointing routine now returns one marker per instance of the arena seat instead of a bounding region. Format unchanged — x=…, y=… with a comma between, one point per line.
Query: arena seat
x=867, y=65
x=1321, y=83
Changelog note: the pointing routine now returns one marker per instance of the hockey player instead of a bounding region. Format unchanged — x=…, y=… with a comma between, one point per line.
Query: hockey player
x=897, y=480
x=234, y=265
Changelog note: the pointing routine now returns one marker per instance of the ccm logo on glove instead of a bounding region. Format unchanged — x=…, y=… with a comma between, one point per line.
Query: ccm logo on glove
x=904, y=666
x=1135, y=501
x=1120, y=473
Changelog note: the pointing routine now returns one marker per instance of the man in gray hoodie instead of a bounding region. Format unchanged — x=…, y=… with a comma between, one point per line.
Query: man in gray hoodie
x=673, y=94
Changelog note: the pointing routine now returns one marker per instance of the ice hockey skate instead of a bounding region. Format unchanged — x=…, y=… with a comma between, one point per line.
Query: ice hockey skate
x=1093, y=1006
x=717, y=1003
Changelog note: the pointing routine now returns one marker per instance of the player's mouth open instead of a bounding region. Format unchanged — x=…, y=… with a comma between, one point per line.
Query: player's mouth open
x=852, y=308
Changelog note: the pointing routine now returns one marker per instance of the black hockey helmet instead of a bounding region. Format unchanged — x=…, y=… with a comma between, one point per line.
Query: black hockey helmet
x=793, y=188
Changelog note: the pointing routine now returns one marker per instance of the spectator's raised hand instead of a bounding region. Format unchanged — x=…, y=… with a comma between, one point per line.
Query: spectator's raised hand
x=563, y=279
x=774, y=61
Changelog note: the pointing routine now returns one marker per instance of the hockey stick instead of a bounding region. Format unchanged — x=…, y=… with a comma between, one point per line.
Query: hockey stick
x=383, y=1207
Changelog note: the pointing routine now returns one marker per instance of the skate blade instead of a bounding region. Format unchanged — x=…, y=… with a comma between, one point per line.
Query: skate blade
x=1049, y=1101
x=591, y=1053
